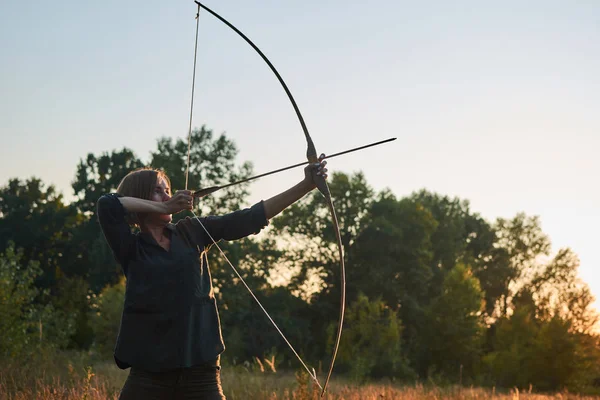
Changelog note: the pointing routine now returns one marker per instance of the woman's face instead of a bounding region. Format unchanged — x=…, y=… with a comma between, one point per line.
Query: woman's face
x=162, y=192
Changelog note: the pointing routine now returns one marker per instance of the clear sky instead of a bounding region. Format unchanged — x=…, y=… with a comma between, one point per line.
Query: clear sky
x=494, y=102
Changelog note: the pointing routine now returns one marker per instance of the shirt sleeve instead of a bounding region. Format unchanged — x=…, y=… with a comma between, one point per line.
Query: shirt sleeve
x=232, y=226
x=116, y=230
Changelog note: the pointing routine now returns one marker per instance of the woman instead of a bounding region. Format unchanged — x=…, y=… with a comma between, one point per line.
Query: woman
x=170, y=334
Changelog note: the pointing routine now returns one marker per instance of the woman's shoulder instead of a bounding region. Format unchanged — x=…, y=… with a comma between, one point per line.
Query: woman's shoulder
x=108, y=200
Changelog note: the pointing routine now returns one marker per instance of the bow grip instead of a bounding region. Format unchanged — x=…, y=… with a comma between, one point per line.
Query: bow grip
x=311, y=155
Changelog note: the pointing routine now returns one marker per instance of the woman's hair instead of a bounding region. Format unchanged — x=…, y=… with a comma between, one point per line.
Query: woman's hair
x=140, y=183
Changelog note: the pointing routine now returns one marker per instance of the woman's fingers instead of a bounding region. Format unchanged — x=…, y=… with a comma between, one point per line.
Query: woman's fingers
x=184, y=193
x=321, y=170
x=182, y=200
x=187, y=200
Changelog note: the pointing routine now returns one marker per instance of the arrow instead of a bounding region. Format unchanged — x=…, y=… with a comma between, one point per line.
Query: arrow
x=206, y=191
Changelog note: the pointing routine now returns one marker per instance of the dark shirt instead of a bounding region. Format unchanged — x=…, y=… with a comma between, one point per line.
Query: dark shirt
x=170, y=318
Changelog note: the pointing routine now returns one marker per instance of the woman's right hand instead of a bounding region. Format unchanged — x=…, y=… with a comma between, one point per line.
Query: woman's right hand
x=181, y=200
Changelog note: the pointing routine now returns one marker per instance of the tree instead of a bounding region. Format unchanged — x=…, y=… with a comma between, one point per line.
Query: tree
x=17, y=291
x=38, y=221
x=551, y=311
x=307, y=239
x=307, y=225
x=553, y=357
x=543, y=353
x=105, y=317
x=98, y=175
x=70, y=297
x=371, y=343
x=524, y=243
x=455, y=334
x=513, y=341
x=247, y=331
x=560, y=292
x=462, y=236
x=26, y=325
x=391, y=258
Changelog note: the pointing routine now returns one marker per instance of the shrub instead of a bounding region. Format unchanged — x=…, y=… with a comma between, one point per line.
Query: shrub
x=105, y=317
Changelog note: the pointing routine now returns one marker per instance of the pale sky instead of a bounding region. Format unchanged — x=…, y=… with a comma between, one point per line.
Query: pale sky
x=494, y=102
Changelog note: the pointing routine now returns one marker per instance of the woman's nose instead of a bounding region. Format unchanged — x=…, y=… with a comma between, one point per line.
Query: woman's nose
x=166, y=197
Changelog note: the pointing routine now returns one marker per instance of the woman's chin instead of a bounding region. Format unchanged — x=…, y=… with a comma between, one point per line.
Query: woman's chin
x=166, y=218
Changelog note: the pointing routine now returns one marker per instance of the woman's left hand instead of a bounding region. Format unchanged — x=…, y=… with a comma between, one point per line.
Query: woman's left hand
x=316, y=168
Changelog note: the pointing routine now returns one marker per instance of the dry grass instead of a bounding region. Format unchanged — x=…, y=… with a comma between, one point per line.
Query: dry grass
x=68, y=378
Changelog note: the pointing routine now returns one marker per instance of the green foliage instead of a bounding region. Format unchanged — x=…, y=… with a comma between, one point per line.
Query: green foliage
x=25, y=325
x=462, y=236
x=427, y=278
x=17, y=311
x=559, y=291
x=523, y=242
x=391, y=256
x=38, y=221
x=391, y=259
x=371, y=345
x=554, y=360
x=587, y=353
x=543, y=353
x=103, y=269
x=250, y=334
x=105, y=318
x=71, y=298
x=456, y=329
x=307, y=225
x=511, y=343
x=97, y=175
x=310, y=219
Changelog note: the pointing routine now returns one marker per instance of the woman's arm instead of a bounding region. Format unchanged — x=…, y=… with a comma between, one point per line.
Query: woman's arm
x=242, y=223
x=181, y=200
x=112, y=218
x=135, y=205
x=280, y=202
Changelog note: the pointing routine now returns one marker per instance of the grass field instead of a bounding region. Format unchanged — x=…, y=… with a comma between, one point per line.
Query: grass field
x=71, y=377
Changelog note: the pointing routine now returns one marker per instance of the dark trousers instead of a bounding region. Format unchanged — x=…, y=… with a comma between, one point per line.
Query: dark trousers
x=195, y=383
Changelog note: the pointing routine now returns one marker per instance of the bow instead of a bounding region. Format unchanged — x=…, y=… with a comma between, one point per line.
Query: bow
x=311, y=155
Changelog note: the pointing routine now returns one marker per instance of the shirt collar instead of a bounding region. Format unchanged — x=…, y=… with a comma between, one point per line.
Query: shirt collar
x=171, y=226
x=148, y=237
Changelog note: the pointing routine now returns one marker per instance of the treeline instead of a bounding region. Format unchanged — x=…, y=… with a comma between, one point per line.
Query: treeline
x=434, y=291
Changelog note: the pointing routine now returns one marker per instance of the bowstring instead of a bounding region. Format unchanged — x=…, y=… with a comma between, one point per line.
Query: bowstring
x=312, y=374
x=187, y=166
